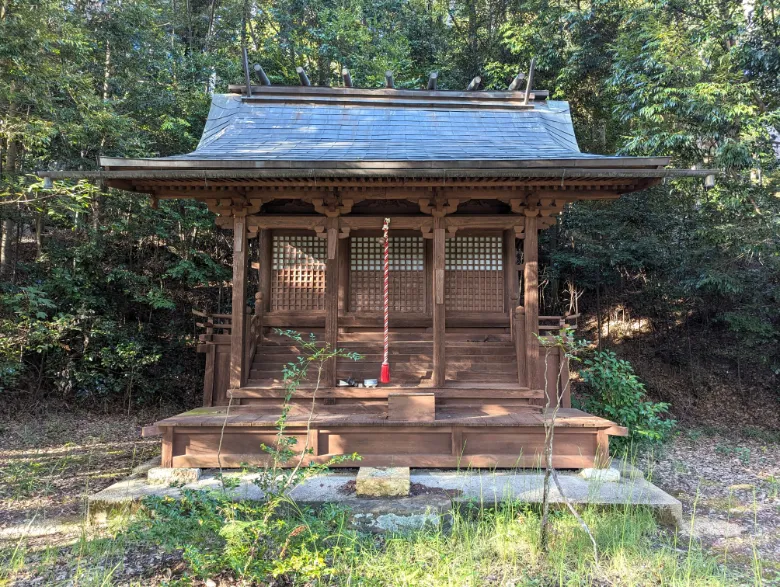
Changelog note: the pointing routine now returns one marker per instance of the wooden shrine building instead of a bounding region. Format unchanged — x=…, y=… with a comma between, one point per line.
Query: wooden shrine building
x=468, y=179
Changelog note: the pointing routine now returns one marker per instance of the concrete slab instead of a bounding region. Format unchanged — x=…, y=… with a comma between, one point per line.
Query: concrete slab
x=168, y=476
x=441, y=489
x=609, y=475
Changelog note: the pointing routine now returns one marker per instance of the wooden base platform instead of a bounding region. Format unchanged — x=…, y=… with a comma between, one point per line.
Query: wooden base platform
x=485, y=437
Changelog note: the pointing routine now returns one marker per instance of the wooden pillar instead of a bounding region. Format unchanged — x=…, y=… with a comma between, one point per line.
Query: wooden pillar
x=602, y=450
x=518, y=327
x=343, y=254
x=266, y=260
x=531, y=300
x=166, y=459
x=332, y=297
x=439, y=354
x=238, y=315
x=512, y=295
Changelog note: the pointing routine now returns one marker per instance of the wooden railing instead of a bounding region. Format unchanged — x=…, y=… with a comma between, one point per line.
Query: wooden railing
x=559, y=323
x=215, y=343
x=253, y=336
x=213, y=323
x=546, y=326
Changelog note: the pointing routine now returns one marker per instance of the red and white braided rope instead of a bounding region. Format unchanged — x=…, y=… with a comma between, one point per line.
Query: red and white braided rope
x=386, y=229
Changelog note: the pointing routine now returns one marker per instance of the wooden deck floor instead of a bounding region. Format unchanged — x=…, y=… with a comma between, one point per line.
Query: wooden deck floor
x=372, y=415
x=489, y=436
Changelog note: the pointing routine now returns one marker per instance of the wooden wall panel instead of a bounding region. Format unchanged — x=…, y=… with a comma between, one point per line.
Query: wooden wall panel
x=528, y=443
x=298, y=273
x=407, y=274
x=474, y=278
x=368, y=442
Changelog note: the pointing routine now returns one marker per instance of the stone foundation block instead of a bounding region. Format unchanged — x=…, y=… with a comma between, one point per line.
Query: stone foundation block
x=400, y=516
x=383, y=482
x=603, y=475
x=169, y=476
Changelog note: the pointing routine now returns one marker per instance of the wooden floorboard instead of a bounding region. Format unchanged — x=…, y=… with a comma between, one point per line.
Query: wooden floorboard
x=372, y=415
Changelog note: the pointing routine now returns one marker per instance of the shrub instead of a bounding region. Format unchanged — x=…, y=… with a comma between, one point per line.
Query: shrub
x=617, y=393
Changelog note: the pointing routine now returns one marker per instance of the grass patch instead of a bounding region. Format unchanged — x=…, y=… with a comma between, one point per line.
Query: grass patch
x=213, y=537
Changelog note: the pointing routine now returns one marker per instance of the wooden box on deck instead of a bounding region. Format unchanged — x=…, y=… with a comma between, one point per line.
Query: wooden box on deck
x=411, y=407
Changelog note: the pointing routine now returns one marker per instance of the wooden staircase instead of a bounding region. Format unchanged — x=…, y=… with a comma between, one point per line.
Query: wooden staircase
x=479, y=366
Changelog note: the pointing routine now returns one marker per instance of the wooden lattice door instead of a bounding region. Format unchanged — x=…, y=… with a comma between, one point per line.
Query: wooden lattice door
x=407, y=274
x=298, y=274
x=474, y=274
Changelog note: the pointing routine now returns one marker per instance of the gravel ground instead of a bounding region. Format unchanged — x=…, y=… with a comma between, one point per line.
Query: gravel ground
x=729, y=486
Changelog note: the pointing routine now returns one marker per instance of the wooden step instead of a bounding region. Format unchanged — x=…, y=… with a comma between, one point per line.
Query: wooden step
x=466, y=367
x=482, y=377
x=261, y=389
x=280, y=360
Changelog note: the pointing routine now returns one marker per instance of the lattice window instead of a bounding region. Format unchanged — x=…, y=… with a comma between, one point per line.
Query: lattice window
x=407, y=274
x=298, y=277
x=474, y=274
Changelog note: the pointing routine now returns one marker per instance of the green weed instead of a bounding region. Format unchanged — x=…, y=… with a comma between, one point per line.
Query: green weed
x=22, y=479
x=741, y=452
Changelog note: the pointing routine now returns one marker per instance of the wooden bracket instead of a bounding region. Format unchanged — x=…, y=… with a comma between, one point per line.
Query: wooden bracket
x=451, y=230
x=344, y=233
x=438, y=205
x=333, y=205
x=235, y=206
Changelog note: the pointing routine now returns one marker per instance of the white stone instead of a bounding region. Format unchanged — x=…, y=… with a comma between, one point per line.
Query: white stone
x=604, y=475
x=170, y=476
x=383, y=482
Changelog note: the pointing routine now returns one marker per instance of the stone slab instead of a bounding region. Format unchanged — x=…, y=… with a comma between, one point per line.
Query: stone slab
x=383, y=482
x=488, y=488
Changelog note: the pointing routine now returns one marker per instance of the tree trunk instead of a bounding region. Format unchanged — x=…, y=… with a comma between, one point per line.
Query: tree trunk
x=107, y=71
x=9, y=226
x=39, y=232
x=9, y=231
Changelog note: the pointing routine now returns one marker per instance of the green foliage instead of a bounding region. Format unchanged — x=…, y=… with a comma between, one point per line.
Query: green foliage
x=616, y=393
x=97, y=320
x=218, y=534
x=496, y=544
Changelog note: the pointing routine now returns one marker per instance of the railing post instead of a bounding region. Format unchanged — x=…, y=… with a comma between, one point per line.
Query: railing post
x=249, y=345
x=518, y=319
x=563, y=366
x=258, y=318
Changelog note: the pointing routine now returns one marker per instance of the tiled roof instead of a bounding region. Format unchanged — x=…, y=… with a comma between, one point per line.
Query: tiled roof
x=240, y=129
